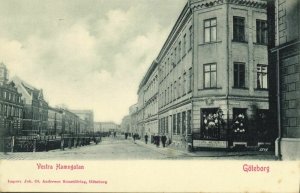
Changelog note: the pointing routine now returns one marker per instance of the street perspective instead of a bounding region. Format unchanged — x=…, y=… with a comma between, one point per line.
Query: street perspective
x=150, y=80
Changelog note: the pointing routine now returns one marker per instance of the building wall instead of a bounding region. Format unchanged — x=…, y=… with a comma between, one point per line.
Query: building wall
x=88, y=117
x=287, y=55
x=125, y=125
x=224, y=52
x=183, y=96
x=106, y=126
x=11, y=110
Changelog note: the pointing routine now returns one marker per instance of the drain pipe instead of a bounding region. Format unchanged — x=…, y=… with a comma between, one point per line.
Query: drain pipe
x=228, y=82
x=279, y=156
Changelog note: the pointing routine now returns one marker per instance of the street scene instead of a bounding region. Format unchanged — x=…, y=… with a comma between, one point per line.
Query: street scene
x=120, y=149
x=195, y=79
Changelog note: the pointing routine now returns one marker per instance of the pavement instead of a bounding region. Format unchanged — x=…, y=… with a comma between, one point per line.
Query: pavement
x=216, y=154
x=121, y=149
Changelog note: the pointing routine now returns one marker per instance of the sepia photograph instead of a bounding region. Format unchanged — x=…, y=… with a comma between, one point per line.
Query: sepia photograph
x=135, y=95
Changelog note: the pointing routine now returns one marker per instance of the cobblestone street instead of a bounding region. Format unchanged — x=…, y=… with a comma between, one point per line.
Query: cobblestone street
x=120, y=149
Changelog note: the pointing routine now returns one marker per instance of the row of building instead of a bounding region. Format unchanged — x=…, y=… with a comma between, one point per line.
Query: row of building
x=24, y=111
x=209, y=84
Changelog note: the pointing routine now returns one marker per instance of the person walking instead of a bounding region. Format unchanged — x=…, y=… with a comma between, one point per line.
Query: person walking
x=163, y=140
x=134, y=137
x=146, y=138
x=157, y=141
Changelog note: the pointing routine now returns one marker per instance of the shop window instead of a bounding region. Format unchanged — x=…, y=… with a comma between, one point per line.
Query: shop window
x=239, y=124
x=212, y=123
x=262, y=125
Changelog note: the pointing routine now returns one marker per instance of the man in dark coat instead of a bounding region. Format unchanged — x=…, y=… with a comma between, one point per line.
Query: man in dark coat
x=146, y=138
x=157, y=140
x=163, y=140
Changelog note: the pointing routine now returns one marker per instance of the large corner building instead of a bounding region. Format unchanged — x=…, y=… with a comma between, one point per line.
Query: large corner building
x=209, y=84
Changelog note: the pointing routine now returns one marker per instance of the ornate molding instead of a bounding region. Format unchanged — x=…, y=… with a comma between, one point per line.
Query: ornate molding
x=201, y=4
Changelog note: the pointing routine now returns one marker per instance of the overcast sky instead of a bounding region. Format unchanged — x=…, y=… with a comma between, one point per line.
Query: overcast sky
x=86, y=54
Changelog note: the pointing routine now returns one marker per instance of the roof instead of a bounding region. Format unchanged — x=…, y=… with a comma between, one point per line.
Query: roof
x=28, y=89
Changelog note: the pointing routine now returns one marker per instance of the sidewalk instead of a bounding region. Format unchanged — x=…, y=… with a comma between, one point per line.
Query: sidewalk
x=209, y=154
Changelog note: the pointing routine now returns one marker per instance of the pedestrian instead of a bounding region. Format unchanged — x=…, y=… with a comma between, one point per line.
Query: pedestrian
x=134, y=137
x=146, y=138
x=157, y=141
x=126, y=135
x=163, y=140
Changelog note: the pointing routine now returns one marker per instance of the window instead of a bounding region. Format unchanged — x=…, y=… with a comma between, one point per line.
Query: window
x=239, y=124
x=191, y=36
x=174, y=91
x=261, y=32
x=189, y=122
x=178, y=123
x=184, y=44
x=239, y=75
x=210, y=76
x=179, y=51
x=169, y=65
x=239, y=29
x=171, y=94
x=190, y=82
x=183, y=123
x=167, y=126
x=213, y=123
x=262, y=76
x=175, y=55
x=210, y=30
x=179, y=88
x=174, y=124
x=184, y=84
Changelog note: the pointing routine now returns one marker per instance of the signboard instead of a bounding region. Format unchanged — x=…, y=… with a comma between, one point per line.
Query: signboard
x=208, y=143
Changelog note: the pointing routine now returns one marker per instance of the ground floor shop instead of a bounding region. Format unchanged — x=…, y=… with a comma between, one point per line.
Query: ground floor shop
x=217, y=123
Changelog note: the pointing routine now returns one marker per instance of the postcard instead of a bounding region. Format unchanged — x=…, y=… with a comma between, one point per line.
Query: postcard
x=150, y=96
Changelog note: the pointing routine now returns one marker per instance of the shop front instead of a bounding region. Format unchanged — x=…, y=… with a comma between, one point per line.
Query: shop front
x=242, y=127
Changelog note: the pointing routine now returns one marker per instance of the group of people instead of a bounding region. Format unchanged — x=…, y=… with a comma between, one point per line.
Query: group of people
x=156, y=139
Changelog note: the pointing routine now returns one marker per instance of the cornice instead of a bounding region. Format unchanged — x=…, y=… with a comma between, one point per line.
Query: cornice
x=203, y=4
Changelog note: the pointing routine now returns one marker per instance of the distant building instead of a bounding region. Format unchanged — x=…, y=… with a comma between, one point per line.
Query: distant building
x=106, y=126
x=11, y=105
x=70, y=123
x=284, y=17
x=125, y=124
x=35, y=114
x=148, y=102
x=88, y=117
x=55, y=118
x=134, y=113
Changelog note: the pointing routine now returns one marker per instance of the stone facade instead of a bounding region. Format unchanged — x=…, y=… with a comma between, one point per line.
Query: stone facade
x=35, y=114
x=11, y=106
x=54, y=121
x=88, y=117
x=149, y=86
x=212, y=77
x=285, y=54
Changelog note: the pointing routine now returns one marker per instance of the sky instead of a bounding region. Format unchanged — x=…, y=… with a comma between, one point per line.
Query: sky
x=85, y=54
